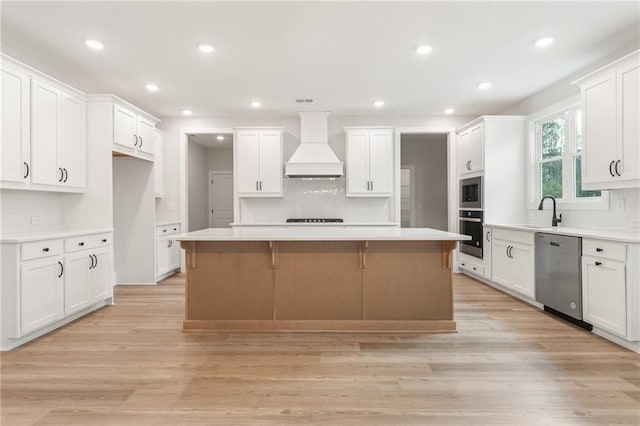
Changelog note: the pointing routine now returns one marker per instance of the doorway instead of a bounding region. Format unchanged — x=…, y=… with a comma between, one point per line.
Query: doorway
x=424, y=181
x=209, y=180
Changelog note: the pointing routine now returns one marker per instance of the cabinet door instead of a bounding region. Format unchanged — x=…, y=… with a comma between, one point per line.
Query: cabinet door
x=501, y=263
x=72, y=145
x=463, y=147
x=100, y=286
x=486, y=252
x=124, y=128
x=628, y=112
x=45, y=134
x=270, y=162
x=162, y=256
x=247, y=162
x=146, y=136
x=41, y=293
x=358, y=182
x=523, y=269
x=476, y=148
x=381, y=162
x=15, y=160
x=604, y=297
x=599, y=131
x=76, y=281
x=158, y=166
x=174, y=255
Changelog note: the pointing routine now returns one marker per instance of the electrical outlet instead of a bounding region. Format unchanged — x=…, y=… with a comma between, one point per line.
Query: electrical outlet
x=36, y=220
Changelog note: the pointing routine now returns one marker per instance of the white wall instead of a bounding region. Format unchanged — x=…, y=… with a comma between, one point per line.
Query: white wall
x=198, y=198
x=615, y=218
x=219, y=159
x=18, y=207
x=428, y=153
x=134, y=221
x=168, y=207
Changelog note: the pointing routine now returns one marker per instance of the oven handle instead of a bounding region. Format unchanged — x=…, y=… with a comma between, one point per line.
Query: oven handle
x=471, y=219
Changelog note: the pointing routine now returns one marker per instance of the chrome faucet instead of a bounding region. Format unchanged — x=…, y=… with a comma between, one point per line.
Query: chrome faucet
x=555, y=220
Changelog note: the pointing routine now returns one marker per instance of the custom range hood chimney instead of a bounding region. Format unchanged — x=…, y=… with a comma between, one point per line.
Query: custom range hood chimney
x=314, y=157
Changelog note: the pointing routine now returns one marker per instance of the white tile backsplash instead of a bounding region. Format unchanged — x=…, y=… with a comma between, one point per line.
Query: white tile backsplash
x=17, y=208
x=315, y=198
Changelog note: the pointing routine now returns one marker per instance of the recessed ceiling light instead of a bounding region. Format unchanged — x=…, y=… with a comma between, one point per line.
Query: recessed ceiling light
x=484, y=85
x=152, y=87
x=449, y=111
x=206, y=48
x=378, y=104
x=256, y=104
x=544, y=41
x=94, y=44
x=187, y=112
x=220, y=137
x=423, y=49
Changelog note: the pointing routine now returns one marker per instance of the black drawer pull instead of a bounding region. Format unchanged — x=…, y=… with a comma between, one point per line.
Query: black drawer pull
x=45, y=249
x=598, y=263
x=104, y=240
x=599, y=250
x=81, y=243
x=61, y=269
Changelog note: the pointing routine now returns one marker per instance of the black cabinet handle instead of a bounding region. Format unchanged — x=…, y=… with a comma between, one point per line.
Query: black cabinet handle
x=96, y=258
x=462, y=264
x=260, y=185
x=488, y=240
x=91, y=258
x=61, y=174
x=598, y=263
x=61, y=269
x=141, y=141
x=164, y=230
x=175, y=229
x=104, y=240
x=46, y=249
x=135, y=137
x=168, y=243
x=611, y=168
x=66, y=174
x=81, y=243
x=617, y=169
x=26, y=165
x=599, y=250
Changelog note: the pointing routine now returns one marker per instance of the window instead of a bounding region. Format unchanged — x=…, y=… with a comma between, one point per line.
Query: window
x=558, y=154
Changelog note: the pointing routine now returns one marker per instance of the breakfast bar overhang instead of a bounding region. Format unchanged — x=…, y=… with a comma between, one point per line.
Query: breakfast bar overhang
x=319, y=279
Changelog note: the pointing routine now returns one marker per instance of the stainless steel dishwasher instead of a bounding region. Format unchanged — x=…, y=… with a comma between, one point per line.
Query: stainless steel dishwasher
x=558, y=276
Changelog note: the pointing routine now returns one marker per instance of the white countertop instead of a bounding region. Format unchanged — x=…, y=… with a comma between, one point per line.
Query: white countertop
x=343, y=224
x=600, y=234
x=23, y=237
x=319, y=234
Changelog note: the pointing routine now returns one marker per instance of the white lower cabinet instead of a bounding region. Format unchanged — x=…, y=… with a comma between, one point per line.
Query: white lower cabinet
x=45, y=282
x=41, y=292
x=513, y=257
x=604, y=288
x=167, y=250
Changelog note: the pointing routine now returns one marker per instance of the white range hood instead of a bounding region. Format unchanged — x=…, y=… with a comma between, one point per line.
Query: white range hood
x=314, y=157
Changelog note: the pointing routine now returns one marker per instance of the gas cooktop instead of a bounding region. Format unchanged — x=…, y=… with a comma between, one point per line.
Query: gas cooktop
x=314, y=220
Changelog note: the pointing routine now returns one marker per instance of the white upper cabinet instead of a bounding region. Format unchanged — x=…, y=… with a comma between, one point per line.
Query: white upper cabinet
x=471, y=150
x=158, y=165
x=258, y=162
x=370, y=154
x=133, y=133
x=43, y=132
x=15, y=139
x=611, y=128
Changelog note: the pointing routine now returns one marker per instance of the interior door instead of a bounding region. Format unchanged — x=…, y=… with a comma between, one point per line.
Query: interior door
x=220, y=200
x=270, y=153
x=358, y=163
x=247, y=162
x=381, y=162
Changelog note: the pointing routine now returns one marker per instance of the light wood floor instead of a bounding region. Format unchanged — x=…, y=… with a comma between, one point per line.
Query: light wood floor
x=129, y=364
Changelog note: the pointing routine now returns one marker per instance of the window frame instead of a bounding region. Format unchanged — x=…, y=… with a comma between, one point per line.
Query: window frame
x=566, y=109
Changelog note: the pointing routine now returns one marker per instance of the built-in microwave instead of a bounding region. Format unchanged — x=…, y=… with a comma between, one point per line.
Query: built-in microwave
x=471, y=193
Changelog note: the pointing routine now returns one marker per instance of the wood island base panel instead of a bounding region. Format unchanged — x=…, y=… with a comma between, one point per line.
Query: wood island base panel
x=343, y=286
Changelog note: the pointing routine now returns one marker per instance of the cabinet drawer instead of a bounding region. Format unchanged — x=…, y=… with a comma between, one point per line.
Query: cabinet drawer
x=522, y=237
x=604, y=249
x=472, y=268
x=40, y=249
x=85, y=242
x=168, y=229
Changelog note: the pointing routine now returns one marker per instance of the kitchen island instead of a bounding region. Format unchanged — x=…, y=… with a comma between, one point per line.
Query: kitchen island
x=319, y=279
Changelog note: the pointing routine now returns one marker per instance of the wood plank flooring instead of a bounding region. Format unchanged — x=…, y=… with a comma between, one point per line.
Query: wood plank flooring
x=509, y=364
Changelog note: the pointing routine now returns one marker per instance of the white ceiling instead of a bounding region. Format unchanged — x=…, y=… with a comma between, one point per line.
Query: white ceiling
x=211, y=141
x=343, y=55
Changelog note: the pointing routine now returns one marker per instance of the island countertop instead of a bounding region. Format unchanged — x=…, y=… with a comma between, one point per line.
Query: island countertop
x=319, y=234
